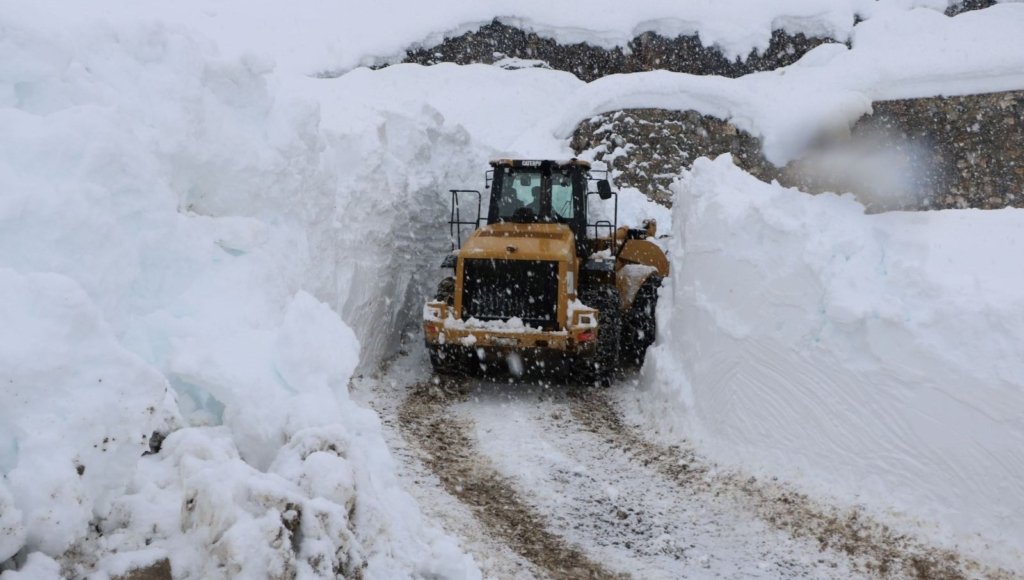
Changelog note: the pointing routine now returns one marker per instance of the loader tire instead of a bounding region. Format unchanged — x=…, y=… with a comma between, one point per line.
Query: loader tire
x=446, y=291
x=601, y=367
x=445, y=362
x=641, y=326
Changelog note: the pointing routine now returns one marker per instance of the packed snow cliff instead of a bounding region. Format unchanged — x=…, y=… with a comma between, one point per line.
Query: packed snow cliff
x=871, y=357
x=167, y=219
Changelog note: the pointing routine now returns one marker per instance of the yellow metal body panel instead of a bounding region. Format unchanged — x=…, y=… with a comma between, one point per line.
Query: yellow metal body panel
x=511, y=340
x=635, y=253
x=539, y=242
x=510, y=241
x=579, y=337
x=534, y=242
x=646, y=253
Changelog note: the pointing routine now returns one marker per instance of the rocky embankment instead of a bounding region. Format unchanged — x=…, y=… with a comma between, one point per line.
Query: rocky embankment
x=934, y=153
x=931, y=153
x=496, y=42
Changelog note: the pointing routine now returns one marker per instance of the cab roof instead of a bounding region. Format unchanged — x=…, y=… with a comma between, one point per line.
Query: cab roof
x=559, y=164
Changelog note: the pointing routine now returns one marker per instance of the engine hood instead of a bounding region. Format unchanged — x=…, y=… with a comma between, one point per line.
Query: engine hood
x=512, y=241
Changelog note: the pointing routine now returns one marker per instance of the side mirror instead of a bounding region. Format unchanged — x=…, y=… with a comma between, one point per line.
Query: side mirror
x=604, y=190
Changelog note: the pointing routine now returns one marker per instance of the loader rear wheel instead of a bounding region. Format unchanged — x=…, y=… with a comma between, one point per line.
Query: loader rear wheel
x=601, y=367
x=641, y=326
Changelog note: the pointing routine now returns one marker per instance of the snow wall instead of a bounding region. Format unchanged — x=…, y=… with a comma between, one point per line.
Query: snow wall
x=178, y=233
x=873, y=358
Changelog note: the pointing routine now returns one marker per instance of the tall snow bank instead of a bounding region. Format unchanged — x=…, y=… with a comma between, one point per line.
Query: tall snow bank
x=398, y=139
x=297, y=481
x=871, y=357
x=173, y=218
x=76, y=412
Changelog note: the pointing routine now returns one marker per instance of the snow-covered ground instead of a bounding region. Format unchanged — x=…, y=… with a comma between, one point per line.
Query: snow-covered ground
x=627, y=515
x=197, y=236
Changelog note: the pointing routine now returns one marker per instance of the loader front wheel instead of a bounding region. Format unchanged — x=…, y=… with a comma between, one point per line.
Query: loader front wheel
x=640, y=326
x=449, y=361
x=602, y=365
x=446, y=291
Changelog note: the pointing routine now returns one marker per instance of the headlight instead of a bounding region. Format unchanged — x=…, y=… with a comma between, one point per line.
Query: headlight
x=584, y=319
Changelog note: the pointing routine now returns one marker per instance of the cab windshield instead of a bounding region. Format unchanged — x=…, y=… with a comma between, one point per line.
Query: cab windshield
x=526, y=195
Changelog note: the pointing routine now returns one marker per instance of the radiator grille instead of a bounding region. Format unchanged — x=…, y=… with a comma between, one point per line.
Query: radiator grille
x=502, y=289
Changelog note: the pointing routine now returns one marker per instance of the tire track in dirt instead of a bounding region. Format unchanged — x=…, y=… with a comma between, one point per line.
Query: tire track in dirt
x=872, y=547
x=448, y=450
x=629, y=517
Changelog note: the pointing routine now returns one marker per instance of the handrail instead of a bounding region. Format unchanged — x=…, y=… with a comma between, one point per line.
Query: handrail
x=612, y=225
x=455, y=220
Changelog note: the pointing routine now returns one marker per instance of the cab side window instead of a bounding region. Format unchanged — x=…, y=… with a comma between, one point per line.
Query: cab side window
x=561, y=195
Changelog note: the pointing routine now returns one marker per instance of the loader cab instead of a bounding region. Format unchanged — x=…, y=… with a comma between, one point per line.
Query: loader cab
x=526, y=191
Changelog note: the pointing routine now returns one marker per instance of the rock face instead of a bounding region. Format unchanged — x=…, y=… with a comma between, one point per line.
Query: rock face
x=943, y=152
x=934, y=153
x=971, y=148
x=968, y=5
x=649, y=51
x=648, y=148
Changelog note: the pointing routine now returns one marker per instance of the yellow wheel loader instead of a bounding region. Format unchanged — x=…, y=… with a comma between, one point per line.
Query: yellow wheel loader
x=540, y=283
